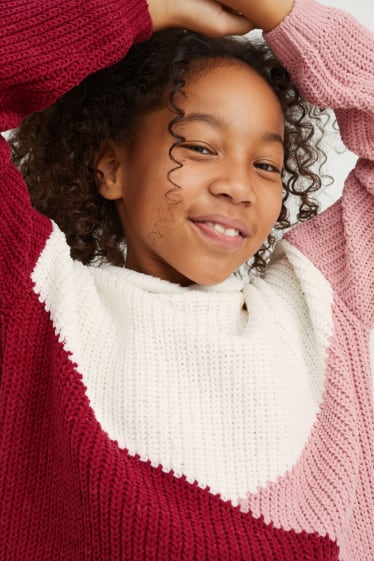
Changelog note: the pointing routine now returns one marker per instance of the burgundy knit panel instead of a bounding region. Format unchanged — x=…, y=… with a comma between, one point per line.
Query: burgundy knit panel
x=68, y=493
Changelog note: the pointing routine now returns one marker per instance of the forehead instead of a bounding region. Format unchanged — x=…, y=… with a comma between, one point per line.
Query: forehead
x=234, y=93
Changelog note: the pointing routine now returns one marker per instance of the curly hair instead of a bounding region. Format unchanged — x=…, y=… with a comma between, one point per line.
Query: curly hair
x=55, y=148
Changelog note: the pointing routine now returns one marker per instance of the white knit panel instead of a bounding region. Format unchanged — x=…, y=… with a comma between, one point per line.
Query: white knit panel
x=188, y=379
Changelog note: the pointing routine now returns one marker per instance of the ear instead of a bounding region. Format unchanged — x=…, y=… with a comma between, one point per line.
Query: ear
x=109, y=170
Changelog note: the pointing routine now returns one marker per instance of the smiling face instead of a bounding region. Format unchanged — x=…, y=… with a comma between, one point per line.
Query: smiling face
x=229, y=192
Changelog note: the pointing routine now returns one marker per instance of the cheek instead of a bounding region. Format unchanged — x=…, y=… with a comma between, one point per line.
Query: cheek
x=278, y=206
x=271, y=207
x=155, y=213
x=145, y=194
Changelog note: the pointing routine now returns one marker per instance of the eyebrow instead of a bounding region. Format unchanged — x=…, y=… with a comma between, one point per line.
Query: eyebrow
x=273, y=137
x=206, y=117
x=216, y=122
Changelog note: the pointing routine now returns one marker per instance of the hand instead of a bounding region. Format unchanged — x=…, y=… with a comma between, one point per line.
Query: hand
x=263, y=14
x=203, y=16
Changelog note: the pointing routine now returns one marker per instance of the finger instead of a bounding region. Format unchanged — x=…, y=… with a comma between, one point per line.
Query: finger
x=204, y=16
x=231, y=10
x=265, y=14
x=230, y=24
x=215, y=20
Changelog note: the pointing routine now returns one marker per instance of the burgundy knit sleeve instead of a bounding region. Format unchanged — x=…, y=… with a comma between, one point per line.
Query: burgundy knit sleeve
x=46, y=48
x=331, y=58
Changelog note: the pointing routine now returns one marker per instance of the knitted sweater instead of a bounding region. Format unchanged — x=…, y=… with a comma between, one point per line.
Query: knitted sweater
x=145, y=420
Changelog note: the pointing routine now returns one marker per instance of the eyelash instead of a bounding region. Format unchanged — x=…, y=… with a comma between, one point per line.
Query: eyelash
x=273, y=169
x=197, y=148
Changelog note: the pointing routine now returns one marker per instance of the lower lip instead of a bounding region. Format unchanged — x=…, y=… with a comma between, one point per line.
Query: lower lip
x=227, y=242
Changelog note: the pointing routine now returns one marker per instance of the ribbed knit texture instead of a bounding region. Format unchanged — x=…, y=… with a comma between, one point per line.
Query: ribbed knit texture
x=143, y=420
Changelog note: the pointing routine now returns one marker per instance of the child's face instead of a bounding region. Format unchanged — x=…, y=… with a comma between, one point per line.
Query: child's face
x=230, y=189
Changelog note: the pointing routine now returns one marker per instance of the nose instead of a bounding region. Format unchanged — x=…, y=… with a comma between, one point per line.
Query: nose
x=236, y=185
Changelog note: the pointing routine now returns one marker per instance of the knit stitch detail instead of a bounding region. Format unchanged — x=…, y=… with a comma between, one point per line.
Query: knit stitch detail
x=82, y=37
x=70, y=488
x=78, y=496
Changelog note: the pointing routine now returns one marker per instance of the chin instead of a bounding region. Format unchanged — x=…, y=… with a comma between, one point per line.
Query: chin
x=210, y=278
x=204, y=272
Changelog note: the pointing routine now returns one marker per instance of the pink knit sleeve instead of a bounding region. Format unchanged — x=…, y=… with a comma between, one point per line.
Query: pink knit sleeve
x=331, y=58
x=46, y=48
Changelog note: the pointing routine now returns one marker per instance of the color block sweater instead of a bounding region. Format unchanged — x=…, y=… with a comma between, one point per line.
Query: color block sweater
x=142, y=420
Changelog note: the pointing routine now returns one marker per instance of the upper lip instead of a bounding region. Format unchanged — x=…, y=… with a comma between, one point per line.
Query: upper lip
x=225, y=221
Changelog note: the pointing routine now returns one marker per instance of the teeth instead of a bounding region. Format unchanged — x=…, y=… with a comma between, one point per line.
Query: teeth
x=231, y=232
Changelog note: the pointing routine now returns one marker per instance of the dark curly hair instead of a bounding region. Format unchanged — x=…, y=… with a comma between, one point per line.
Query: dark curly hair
x=55, y=148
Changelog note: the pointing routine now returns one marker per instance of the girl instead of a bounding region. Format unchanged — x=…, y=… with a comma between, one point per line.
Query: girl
x=153, y=404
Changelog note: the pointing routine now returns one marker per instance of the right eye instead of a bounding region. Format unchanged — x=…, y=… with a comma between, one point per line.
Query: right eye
x=199, y=149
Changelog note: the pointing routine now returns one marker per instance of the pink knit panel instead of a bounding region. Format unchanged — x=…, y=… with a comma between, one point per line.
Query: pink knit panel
x=333, y=477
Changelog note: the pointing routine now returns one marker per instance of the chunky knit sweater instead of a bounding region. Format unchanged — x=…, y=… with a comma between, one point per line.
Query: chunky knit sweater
x=142, y=420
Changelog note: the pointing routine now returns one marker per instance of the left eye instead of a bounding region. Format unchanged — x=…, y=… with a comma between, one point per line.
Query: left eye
x=267, y=167
x=197, y=148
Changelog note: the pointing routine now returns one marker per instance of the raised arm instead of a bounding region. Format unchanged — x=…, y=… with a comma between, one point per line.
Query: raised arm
x=331, y=58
